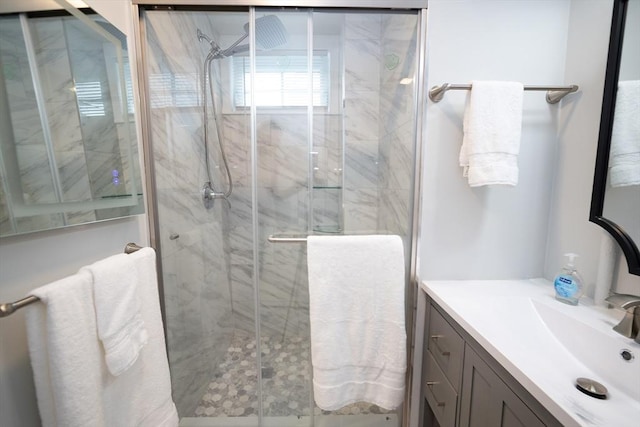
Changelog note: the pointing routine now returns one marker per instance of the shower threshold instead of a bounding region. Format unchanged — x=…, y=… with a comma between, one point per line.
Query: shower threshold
x=369, y=420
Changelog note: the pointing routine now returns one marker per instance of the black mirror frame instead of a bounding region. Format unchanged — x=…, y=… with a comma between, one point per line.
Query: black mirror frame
x=629, y=247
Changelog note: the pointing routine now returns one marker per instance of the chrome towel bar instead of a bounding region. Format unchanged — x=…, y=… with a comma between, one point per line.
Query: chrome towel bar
x=10, y=307
x=287, y=239
x=302, y=238
x=554, y=93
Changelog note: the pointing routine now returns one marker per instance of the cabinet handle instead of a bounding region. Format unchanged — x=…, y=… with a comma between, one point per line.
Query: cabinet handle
x=435, y=339
x=431, y=384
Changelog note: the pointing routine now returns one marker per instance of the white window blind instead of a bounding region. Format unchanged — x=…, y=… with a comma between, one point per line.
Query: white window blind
x=281, y=80
x=174, y=90
x=89, y=97
x=128, y=87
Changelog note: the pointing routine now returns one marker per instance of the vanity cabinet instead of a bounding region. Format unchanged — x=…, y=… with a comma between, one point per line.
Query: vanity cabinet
x=464, y=386
x=487, y=401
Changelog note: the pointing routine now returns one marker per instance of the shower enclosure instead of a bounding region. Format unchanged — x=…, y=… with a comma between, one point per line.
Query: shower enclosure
x=263, y=126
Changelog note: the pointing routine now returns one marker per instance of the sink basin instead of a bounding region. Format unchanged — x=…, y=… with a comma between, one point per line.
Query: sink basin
x=591, y=340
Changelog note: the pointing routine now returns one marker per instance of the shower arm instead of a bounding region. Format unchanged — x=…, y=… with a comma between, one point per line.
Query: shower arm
x=232, y=49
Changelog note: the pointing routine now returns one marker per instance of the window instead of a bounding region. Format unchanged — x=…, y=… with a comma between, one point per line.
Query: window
x=281, y=80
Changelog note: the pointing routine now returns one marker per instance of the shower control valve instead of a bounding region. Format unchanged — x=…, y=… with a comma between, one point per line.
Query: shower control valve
x=209, y=195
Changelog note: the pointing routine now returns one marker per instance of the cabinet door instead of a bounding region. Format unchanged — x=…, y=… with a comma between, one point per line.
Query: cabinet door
x=486, y=401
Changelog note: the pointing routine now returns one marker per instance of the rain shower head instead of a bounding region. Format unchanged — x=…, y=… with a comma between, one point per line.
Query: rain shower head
x=270, y=33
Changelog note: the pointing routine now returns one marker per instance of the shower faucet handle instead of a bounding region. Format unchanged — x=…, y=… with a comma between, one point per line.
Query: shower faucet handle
x=209, y=195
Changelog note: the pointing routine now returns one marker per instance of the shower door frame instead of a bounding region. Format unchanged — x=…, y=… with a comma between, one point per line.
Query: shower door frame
x=408, y=412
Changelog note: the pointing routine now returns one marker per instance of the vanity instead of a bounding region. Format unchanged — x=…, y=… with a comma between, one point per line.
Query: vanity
x=506, y=353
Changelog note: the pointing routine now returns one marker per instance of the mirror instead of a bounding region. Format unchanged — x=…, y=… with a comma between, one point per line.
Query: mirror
x=615, y=203
x=68, y=150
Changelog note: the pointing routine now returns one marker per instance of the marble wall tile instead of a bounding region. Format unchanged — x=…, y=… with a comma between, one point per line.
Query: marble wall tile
x=361, y=167
x=399, y=26
x=74, y=178
x=361, y=111
x=362, y=65
x=178, y=149
x=362, y=26
x=237, y=145
x=35, y=174
x=360, y=210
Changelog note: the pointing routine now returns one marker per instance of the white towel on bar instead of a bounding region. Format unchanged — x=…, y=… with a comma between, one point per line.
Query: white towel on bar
x=73, y=384
x=492, y=130
x=358, y=338
x=120, y=325
x=624, y=162
x=66, y=355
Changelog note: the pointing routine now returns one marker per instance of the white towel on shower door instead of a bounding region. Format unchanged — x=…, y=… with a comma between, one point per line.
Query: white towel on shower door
x=356, y=308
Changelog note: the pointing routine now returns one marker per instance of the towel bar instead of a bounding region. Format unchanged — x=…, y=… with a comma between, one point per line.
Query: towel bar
x=284, y=239
x=8, y=308
x=292, y=238
x=554, y=93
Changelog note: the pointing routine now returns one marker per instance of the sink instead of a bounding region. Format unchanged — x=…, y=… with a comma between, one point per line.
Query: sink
x=587, y=334
x=546, y=346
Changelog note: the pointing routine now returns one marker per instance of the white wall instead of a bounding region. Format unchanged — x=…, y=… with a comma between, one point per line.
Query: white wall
x=498, y=231
x=33, y=260
x=569, y=226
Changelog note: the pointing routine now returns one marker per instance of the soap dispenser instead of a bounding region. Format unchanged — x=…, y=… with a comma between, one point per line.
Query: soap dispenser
x=568, y=282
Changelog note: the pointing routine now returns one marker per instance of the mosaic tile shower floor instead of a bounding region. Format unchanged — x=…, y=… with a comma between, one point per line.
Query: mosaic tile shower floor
x=286, y=381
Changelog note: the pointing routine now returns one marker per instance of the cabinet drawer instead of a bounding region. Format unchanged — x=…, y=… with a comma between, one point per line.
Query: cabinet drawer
x=446, y=346
x=442, y=398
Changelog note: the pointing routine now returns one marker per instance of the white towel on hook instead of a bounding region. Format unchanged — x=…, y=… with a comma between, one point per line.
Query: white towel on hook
x=624, y=162
x=120, y=325
x=73, y=384
x=492, y=130
x=356, y=310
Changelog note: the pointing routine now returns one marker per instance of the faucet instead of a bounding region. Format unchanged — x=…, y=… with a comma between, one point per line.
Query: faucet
x=629, y=326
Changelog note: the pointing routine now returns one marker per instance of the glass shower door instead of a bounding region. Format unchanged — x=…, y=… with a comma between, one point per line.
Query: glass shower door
x=314, y=127
x=283, y=88
x=336, y=159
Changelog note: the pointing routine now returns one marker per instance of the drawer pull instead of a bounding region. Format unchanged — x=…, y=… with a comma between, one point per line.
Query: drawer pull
x=435, y=339
x=431, y=384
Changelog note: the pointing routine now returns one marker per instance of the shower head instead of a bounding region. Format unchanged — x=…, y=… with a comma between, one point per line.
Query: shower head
x=270, y=33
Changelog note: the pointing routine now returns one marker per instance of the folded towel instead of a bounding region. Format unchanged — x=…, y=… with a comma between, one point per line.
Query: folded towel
x=358, y=338
x=120, y=325
x=624, y=162
x=73, y=384
x=142, y=395
x=492, y=128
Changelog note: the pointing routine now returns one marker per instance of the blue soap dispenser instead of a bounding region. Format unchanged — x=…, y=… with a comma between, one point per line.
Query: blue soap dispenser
x=568, y=282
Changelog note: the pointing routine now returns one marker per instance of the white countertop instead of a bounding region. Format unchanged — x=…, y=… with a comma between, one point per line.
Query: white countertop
x=501, y=316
